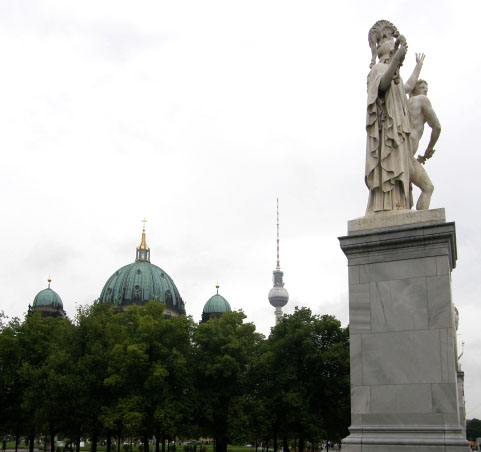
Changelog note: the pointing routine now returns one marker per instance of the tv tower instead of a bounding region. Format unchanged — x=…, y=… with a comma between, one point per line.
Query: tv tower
x=278, y=296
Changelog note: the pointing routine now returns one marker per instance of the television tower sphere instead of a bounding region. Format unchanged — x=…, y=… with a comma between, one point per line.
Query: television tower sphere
x=278, y=295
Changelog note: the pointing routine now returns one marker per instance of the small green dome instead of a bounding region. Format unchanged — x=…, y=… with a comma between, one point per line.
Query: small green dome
x=216, y=304
x=48, y=298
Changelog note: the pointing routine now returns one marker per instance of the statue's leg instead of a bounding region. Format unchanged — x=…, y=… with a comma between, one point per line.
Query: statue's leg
x=420, y=178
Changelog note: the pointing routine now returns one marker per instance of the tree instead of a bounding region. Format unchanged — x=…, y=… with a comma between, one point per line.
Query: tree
x=148, y=372
x=12, y=416
x=40, y=387
x=473, y=429
x=96, y=331
x=305, y=390
x=225, y=351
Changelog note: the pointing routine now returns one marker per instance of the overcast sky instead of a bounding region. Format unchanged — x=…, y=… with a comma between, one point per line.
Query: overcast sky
x=197, y=115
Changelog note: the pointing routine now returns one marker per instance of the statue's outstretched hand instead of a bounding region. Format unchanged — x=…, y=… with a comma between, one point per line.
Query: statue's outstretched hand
x=421, y=159
x=427, y=155
x=420, y=58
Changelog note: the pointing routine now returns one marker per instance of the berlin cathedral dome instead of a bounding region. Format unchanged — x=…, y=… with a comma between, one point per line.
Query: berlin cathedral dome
x=140, y=282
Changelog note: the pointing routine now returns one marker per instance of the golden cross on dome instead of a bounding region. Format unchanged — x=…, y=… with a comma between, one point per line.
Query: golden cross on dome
x=144, y=221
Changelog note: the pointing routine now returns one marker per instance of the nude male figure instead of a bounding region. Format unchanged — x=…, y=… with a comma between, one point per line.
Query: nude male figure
x=421, y=111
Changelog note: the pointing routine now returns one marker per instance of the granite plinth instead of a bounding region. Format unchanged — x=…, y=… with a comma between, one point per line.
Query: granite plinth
x=404, y=381
x=396, y=218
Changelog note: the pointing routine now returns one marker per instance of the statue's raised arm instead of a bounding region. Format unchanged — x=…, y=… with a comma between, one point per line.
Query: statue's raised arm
x=411, y=83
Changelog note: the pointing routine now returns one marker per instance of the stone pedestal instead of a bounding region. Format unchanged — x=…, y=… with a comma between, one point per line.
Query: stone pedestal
x=404, y=383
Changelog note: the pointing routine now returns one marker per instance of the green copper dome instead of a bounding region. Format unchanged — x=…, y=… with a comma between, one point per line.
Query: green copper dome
x=48, y=298
x=215, y=307
x=140, y=282
x=217, y=304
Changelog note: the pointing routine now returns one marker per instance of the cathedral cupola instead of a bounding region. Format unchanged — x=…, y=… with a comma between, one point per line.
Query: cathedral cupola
x=143, y=251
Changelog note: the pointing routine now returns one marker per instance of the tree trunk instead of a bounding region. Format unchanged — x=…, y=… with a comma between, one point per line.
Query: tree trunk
x=163, y=441
x=275, y=440
x=31, y=442
x=118, y=443
x=109, y=440
x=93, y=446
x=220, y=444
x=157, y=441
x=301, y=444
x=16, y=443
x=52, y=441
x=77, y=445
x=284, y=444
x=146, y=443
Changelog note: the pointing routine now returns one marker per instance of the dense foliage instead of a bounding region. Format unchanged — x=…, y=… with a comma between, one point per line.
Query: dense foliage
x=473, y=429
x=112, y=374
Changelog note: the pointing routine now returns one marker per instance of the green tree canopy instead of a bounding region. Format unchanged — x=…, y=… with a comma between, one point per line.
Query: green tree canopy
x=305, y=389
x=226, y=350
x=473, y=429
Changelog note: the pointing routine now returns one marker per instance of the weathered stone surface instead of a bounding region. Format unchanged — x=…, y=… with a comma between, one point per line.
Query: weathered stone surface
x=360, y=308
x=405, y=357
x=399, y=305
x=413, y=398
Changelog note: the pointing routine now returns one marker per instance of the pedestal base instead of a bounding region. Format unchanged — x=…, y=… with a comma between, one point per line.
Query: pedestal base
x=405, y=439
x=404, y=394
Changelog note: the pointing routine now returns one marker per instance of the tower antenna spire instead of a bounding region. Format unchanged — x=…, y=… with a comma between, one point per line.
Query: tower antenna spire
x=278, y=267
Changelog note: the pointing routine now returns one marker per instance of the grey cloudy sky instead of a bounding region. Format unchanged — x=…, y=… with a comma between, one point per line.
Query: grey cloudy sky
x=198, y=115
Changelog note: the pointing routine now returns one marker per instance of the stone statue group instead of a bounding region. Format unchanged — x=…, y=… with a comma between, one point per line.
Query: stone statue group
x=395, y=124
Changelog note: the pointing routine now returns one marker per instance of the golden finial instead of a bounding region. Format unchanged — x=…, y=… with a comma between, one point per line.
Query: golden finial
x=49, y=281
x=143, y=243
x=217, y=287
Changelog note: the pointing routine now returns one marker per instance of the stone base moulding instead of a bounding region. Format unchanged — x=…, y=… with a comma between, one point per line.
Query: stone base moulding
x=404, y=379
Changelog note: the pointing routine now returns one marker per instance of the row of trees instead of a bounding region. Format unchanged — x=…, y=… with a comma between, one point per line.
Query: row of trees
x=122, y=374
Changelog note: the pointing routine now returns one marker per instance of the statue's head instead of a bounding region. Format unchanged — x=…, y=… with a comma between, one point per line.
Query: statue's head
x=385, y=48
x=421, y=87
x=381, y=39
